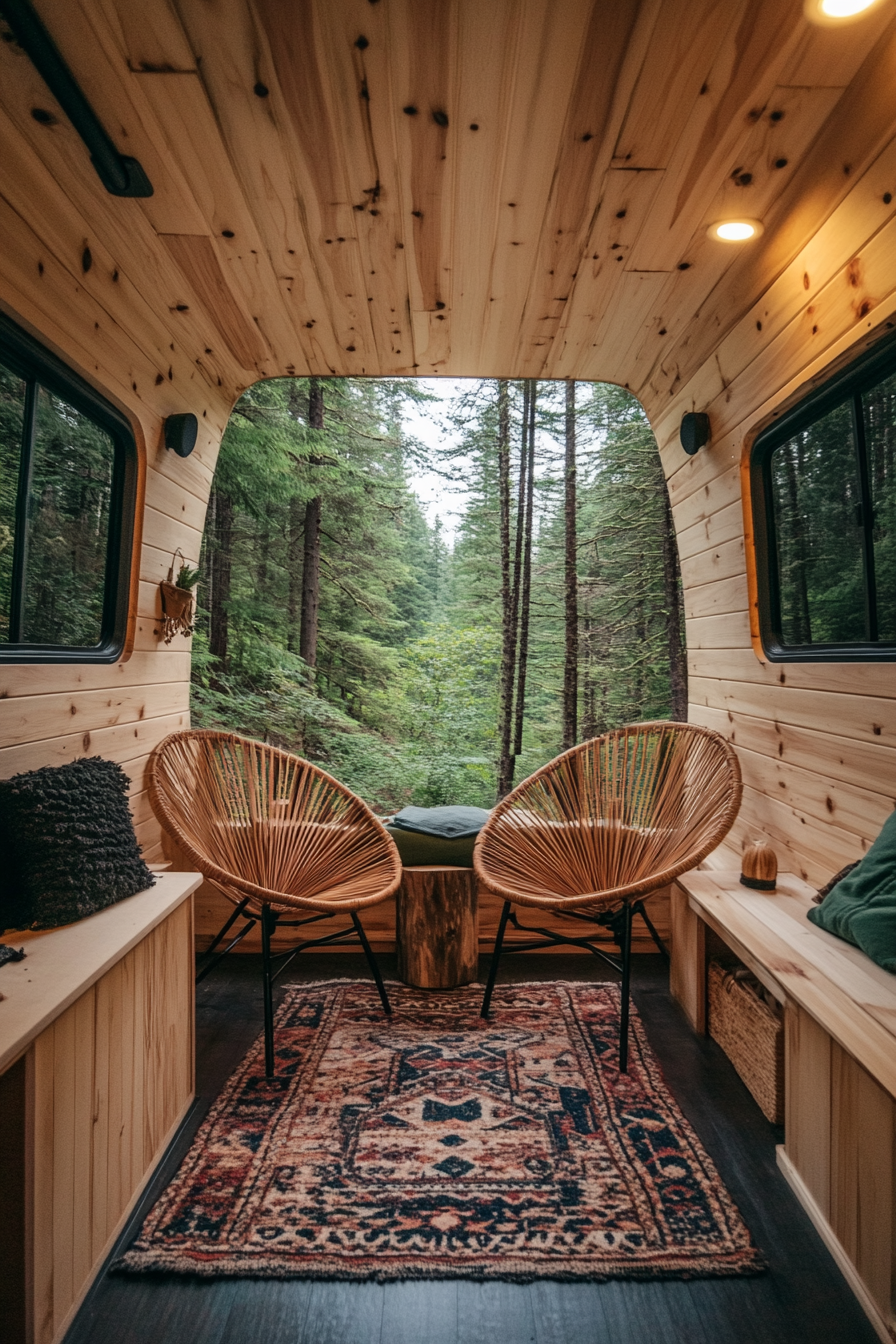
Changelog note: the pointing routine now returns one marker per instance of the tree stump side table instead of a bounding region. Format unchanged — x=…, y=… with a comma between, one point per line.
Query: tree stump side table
x=437, y=927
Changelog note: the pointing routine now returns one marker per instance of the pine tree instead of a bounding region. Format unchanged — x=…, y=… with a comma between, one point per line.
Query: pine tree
x=438, y=674
x=570, y=577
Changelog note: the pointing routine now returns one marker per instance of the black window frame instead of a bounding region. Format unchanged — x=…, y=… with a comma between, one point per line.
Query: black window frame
x=32, y=362
x=858, y=377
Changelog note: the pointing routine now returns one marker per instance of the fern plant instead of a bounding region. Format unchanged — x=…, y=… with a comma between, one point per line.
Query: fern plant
x=186, y=578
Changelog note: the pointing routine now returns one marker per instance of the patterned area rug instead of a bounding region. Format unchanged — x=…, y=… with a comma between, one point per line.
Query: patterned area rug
x=435, y=1145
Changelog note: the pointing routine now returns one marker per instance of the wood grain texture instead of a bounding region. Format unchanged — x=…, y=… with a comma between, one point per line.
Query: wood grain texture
x=517, y=189
x=862, y=1188
x=802, y=1298
x=840, y=1089
x=108, y=1081
x=844, y=991
x=687, y=972
x=61, y=964
x=807, y=1066
x=436, y=927
x=379, y=923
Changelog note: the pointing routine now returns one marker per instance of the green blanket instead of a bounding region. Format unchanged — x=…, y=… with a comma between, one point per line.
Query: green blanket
x=862, y=907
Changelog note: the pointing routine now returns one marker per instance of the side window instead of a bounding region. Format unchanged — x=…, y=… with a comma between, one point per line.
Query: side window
x=879, y=417
x=67, y=498
x=823, y=484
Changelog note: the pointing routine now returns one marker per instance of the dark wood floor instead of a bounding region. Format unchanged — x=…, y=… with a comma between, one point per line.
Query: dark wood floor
x=802, y=1298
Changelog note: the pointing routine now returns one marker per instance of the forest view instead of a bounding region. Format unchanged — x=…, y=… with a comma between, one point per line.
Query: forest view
x=416, y=664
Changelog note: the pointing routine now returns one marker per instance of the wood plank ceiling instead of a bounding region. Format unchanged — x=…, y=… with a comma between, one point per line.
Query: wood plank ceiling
x=399, y=187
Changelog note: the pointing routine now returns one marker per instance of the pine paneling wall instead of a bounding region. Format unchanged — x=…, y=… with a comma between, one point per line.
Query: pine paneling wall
x=817, y=742
x=445, y=187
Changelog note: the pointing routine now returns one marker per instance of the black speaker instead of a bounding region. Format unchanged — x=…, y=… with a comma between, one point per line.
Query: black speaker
x=694, y=431
x=180, y=433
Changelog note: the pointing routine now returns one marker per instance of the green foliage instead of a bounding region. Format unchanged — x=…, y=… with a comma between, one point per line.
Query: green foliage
x=186, y=578
x=625, y=670
x=623, y=658
x=817, y=504
x=403, y=703
x=68, y=516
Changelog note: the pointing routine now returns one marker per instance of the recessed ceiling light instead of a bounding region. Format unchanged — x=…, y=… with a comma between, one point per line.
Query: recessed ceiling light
x=837, y=11
x=735, y=230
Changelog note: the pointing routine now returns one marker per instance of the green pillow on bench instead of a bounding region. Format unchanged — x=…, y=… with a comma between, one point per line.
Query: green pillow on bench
x=861, y=908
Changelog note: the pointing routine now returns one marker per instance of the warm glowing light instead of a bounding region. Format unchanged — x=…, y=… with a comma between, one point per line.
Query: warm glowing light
x=837, y=11
x=844, y=9
x=735, y=230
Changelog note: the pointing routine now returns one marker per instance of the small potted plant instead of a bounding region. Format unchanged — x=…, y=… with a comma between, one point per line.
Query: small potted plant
x=177, y=600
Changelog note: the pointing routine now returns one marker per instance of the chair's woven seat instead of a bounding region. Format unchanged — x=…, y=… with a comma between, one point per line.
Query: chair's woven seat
x=262, y=823
x=276, y=836
x=612, y=819
x=602, y=826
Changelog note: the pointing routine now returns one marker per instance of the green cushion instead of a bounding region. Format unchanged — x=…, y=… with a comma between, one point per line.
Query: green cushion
x=418, y=850
x=453, y=822
x=862, y=907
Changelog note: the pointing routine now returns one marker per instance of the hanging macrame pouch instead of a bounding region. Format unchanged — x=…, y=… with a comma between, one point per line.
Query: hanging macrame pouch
x=177, y=611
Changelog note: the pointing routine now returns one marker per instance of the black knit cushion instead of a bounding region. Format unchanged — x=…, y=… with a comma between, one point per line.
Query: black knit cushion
x=67, y=844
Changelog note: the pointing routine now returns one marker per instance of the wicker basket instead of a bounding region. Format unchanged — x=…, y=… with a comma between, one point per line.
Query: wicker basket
x=751, y=1032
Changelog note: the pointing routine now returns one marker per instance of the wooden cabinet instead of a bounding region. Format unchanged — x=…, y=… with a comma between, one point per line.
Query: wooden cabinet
x=96, y=1053
x=838, y=1157
x=839, y=1152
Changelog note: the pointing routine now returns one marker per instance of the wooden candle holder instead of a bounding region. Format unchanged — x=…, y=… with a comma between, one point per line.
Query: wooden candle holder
x=759, y=868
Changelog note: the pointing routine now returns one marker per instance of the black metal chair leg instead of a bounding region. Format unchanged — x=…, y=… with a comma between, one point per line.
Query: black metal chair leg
x=638, y=909
x=496, y=957
x=268, y=924
x=216, y=960
x=626, y=978
x=371, y=962
x=225, y=928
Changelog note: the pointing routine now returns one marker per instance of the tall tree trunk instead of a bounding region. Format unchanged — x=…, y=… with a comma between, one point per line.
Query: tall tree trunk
x=520, y=516
x=508, y=630
x=264, y=558
x=526, y=590
x=505, y=782
x=294, y=550
x=310, y=583
x=589, y=717
x=798, y=560
x=294, y=545
x=675, y=631
x=311, y=564
x=640, y=623
x=221, y=532
x=571, y=584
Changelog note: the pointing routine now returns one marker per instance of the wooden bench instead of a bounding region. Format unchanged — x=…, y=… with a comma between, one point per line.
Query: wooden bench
x=96, y=1075
x=840, y=1062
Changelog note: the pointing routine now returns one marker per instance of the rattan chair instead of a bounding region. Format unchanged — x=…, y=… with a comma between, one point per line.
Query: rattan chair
x=601, y=827
x=276, y=836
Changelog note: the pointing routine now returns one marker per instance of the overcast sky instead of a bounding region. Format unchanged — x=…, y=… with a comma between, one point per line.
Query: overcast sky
x=438, y=498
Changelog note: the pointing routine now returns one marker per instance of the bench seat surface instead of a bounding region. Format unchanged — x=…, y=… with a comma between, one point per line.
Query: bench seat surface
x=847, y=993
x=61, y=964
